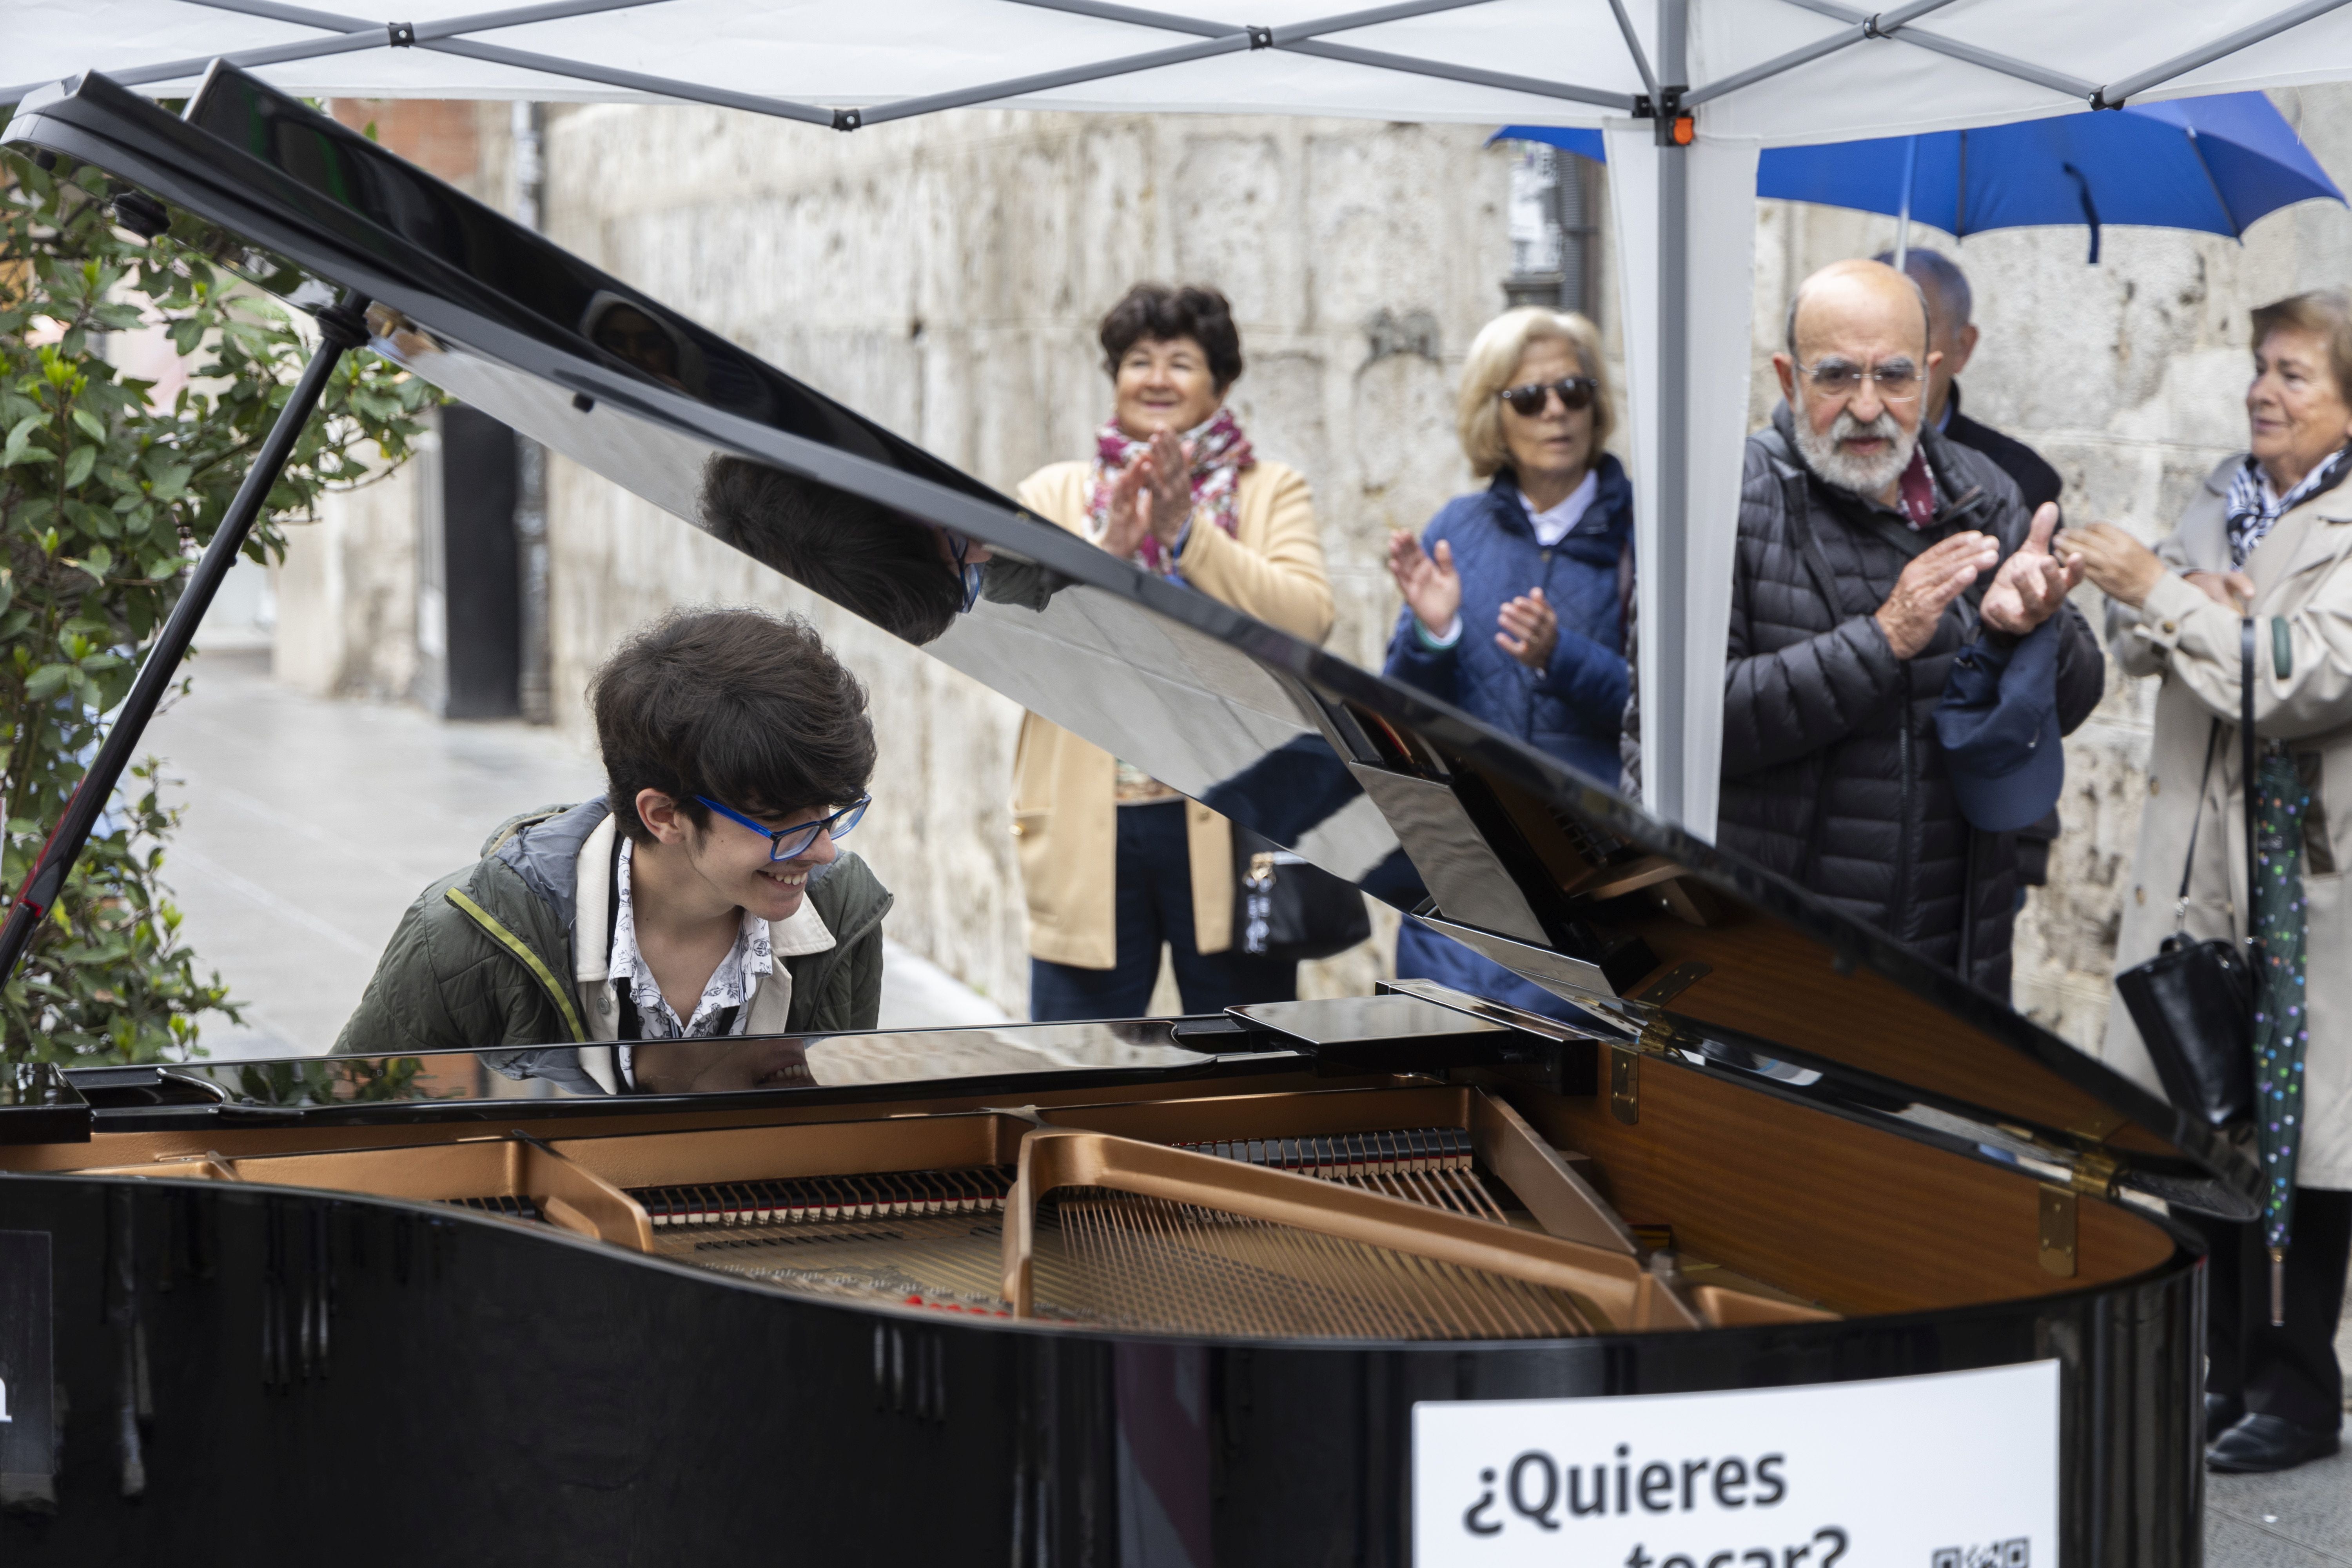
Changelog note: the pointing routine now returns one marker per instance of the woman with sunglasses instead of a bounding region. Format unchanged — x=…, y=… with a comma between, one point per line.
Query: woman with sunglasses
x=1116, y=864
x=1515, y=597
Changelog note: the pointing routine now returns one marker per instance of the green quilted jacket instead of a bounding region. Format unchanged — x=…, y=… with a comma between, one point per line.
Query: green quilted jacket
x=483, y=959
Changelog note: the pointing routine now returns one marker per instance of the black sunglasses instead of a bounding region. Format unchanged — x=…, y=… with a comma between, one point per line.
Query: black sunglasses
x=1575, y=396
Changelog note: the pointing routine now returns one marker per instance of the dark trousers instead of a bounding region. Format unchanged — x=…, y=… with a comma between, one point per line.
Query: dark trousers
x=2290, y=1371
x=1154, y=905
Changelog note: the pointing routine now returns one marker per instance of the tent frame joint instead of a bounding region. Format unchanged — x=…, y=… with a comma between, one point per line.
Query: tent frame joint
x=401, y=35
x=847, y=119
x=1674, y=125
x=1260, y=37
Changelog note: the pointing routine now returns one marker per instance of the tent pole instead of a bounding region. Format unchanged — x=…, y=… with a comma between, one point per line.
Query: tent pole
x=351, y=34
x=1903, y=222
x=342, y=327
x=1918, y=38
x=1882, y=25
x=2112, y=95
x=1668, y=744
x=1633, y=48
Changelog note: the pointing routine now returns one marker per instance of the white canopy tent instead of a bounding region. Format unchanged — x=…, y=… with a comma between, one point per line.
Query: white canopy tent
x=1746, y=73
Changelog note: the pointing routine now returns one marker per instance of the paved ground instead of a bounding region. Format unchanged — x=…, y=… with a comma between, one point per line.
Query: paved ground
x=2300, y=1520
x=309, y=825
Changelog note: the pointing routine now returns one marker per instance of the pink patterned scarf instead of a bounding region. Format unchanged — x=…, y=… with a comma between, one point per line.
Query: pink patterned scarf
x=1219, y=453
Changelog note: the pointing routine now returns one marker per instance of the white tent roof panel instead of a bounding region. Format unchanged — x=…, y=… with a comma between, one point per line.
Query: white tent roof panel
x=821, y=52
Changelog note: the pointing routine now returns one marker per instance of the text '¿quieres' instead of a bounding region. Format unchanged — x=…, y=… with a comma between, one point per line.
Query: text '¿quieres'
x=1540, y=1489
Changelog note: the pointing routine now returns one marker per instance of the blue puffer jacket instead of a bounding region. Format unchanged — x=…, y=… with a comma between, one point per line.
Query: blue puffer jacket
x=1572, y=709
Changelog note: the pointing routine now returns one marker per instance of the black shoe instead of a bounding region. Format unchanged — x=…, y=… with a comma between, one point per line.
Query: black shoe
x=2222, y=1412
x=2258, y=1445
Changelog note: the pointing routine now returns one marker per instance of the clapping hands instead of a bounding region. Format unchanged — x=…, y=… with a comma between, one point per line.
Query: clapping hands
x=1932, y=579
x=1152, y=495
x=2120, y=565
x=1530, y=627
x=2032, y=583
x=1430, y=584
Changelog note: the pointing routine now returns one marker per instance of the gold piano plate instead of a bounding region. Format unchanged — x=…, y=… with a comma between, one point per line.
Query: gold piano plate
x=1352, y=1226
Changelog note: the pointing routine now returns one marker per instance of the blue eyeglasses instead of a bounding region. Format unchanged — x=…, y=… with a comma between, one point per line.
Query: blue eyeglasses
x=791, y=843
x=971, y=573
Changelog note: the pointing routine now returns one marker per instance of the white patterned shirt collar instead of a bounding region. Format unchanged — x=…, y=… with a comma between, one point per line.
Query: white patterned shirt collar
x=732, y=984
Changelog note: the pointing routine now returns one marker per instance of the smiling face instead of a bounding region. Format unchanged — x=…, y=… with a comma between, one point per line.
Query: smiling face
x=1554, y=447
x=731, y=861
x=2296, y=414
x=1163, y=383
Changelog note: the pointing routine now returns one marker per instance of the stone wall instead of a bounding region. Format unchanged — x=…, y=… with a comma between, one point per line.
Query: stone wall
x=346, y=592
x=945, y=277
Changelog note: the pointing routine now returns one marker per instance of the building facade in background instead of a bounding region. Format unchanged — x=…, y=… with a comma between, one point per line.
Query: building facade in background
x=944, y=275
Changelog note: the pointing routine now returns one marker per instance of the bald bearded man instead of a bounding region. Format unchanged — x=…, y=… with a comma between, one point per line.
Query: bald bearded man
x=1871, y=551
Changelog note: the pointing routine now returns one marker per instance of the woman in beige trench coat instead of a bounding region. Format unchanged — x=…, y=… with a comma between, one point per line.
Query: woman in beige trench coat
x=1117, y=865
x=2269, y=535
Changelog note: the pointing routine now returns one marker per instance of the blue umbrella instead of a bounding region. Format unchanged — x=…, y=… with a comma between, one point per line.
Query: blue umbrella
x=2213, y=165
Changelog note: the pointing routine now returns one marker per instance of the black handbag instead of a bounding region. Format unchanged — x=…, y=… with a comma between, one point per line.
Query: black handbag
x=1286, y=909
x=2194, y=1001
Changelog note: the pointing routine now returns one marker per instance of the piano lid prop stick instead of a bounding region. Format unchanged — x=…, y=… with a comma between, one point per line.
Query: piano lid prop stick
x=342, y=327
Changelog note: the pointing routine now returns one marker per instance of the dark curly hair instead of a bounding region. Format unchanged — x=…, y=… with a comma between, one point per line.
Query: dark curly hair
x=864, y=557
x=745, y=707
x=1163, y=312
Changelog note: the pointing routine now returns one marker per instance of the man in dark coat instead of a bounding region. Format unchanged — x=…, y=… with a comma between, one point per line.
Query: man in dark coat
x=1870, y=551
x=1952, y=334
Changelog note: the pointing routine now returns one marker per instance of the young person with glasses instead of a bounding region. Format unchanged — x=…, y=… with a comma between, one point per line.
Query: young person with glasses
x=706, y=895
x=1515, y=597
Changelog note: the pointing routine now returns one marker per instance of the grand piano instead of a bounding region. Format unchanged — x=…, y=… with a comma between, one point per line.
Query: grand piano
x=1787, y=1248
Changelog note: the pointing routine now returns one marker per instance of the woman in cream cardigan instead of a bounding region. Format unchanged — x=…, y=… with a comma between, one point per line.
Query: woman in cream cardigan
x=1115, y=863
x=2270, y=536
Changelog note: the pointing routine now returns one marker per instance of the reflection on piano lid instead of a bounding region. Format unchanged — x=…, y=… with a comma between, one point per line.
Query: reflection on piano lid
x=1683, y=948
x=554, y=1081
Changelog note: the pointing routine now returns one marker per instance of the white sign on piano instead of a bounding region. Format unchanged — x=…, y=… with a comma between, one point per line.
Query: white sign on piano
x=1950, y=1471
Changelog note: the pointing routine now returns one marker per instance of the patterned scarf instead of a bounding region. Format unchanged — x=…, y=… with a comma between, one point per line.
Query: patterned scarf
x=1219, y=453
x=2254, y=509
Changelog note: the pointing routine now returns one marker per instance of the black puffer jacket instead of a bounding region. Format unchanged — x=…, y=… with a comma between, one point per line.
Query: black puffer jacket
x=1831, y=775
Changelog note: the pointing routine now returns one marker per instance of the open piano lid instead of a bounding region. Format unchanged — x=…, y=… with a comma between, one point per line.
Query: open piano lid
x=1668, y=945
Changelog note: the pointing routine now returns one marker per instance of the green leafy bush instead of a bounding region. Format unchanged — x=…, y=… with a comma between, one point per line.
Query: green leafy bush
x=105, y=498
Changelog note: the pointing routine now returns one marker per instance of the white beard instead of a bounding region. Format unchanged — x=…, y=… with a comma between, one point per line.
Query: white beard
x=1824, y=452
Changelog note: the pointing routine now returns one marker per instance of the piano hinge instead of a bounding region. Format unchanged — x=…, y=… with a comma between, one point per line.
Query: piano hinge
x=2056, y=1207
x=1673, y=982
x=1625, y=1082
x=1656, y=1039
x=2094, y=1173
